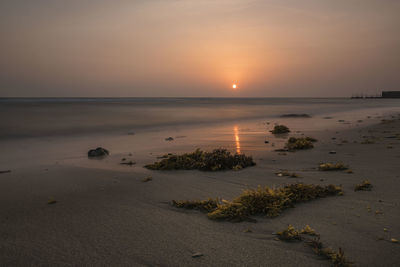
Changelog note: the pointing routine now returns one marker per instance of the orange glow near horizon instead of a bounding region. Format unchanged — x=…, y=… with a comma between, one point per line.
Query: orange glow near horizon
x=237, y=140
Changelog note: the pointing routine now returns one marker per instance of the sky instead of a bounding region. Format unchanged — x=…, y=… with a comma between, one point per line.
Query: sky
x=198, y=48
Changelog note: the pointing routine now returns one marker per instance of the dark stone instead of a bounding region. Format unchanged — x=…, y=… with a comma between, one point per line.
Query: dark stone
x=197, y=254
x=169, y=139
x=98, y=152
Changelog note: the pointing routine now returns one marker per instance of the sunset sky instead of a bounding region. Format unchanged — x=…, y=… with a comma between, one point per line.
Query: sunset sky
x=199, y=48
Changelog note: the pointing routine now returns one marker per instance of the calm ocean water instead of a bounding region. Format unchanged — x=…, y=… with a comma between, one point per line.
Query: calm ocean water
x=32, y=117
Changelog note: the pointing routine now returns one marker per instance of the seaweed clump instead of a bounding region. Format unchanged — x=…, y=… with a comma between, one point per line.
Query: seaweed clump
x=364, y=186
x=204, y=205
x=217, y=160
x=332, y=167
x=262, y=201
x=300, y=143
x=280, y=129
x=337, y=258
x=289, y=234
x=307, y=230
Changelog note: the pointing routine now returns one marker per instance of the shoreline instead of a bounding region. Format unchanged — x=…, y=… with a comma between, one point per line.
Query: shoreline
x=108, y=216
x=52, y=119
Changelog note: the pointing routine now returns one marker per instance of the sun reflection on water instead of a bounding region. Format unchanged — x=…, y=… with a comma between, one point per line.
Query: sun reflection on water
x=237, y=140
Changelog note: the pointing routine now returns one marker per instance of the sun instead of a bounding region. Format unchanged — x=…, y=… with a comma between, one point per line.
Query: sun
x=234, y=86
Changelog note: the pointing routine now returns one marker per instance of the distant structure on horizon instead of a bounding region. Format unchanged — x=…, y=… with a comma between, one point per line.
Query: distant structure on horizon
x=384, y=94
x=391, y=94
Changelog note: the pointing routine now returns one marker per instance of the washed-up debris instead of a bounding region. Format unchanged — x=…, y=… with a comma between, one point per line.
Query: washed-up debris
x=51, y=201
x=287, y=173
x=367, y=142
x=147, y=179
x=332, y=167
x=262, y=201
x=384, y=121
x=7, y=171
x=130, y=163
x=280, y=129
x=217, y=160
x=169, y=139
x=98, y=152
x=332, y=152
x=363, y=186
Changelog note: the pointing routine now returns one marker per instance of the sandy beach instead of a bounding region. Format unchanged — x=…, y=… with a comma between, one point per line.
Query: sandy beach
x=210, y=133
x=105, y=215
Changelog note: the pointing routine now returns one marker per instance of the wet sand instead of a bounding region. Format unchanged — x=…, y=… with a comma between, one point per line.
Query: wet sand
x=106, y=216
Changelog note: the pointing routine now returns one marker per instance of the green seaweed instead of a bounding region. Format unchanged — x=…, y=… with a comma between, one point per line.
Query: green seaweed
x=307, y=230
x=280, y=129
x=332, y=167
x=300, y=143
x=230, y=211
x=204, y=205
x=217, y=160
x=363, y=186
x=261, y=201
x=337, y=258
x=289, y=234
